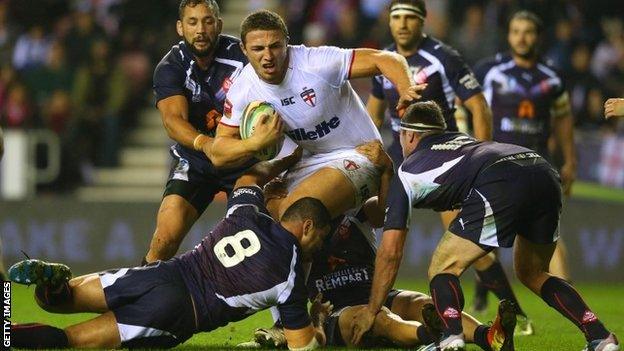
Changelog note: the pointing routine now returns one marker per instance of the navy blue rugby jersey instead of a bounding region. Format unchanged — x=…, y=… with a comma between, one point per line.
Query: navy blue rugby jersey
x=440, y=172
x=343, y=269
x=248, y=263
x=445, y=72
x=522, y=100
x=178, y=74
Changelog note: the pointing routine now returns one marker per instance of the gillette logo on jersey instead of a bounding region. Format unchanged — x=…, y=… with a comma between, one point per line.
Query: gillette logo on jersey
x=319, y=131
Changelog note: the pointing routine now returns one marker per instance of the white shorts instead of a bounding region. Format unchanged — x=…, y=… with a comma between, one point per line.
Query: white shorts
x=362, y=173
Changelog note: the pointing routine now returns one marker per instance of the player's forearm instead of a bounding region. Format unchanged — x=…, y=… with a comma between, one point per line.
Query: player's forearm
x=481, y=117
x=387, y=264
x=226, y=152
x=181, y=131
x=394, y=67
x=564, y=129
x=264, y=171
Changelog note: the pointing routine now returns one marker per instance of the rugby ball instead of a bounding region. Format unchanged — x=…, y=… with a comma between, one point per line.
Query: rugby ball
x=251, y=117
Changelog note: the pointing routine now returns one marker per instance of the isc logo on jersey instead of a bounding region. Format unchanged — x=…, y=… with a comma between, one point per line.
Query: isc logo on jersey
x=320, y=130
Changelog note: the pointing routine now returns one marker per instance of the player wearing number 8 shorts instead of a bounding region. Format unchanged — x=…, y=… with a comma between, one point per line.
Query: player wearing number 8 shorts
x=248, y=263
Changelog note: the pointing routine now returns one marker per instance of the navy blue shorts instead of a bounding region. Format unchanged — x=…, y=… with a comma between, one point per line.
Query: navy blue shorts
x=152, y=305
x=509, y=198
x=193, y=177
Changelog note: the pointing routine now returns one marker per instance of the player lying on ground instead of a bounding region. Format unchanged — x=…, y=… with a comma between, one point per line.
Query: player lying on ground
x=247, y=263
x=508, y=195
x=342, y=271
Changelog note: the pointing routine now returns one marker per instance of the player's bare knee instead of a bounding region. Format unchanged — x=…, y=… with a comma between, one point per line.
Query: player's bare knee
x=451, y=265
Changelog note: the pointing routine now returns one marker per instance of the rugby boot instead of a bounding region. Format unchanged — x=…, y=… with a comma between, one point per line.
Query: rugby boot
x=500, y=335
x=270, y=337
x=433, y=323
x=609, y=344
x=39, y=272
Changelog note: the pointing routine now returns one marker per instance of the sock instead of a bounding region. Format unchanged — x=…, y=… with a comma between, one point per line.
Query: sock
x=449, y=302
x=37, y=336
x=495, y=279
x=560, y=295
x=480, y=337
x=53, y=296
x=423, y=335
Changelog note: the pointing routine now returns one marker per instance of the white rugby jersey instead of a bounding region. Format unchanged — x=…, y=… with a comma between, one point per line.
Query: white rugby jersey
x=320, y=109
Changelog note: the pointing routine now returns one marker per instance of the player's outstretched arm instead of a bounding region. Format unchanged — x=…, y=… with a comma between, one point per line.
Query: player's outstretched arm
x=262, y=172
x=481, y=116
x=614, y=107
x=174, y=113
x=387, y=264
x=370, y=62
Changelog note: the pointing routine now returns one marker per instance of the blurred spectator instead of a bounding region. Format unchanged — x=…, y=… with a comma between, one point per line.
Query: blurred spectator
x=585, y=93
x=52, y=78
x=17, y=111
x=560, y=50
x=7, y=34
x=99, y=92
x=314, y=34
x=472, y=38
x=7, y=77
x=81, y=37
x=348, y=33
x=31, y=49
x=611, y=50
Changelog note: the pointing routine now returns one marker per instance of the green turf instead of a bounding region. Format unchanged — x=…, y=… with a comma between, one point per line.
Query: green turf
x=593, y=191
x=552, y=331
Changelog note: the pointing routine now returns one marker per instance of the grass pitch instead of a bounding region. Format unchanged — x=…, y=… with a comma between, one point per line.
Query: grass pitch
x=553, y=332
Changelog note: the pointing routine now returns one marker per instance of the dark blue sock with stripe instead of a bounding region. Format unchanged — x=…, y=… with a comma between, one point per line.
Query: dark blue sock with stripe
x=560, y=295
x=448, y=299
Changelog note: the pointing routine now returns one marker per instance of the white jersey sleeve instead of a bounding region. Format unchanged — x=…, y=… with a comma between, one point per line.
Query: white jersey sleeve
x=330, y=63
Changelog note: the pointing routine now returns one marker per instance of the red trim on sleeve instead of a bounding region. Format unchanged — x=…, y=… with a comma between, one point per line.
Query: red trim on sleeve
x=228, y=125
x=351, y=63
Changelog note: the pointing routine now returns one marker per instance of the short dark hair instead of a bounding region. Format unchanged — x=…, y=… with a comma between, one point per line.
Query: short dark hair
x=427, y=113
x=308, y=208
x=419, y=4
x=528, y=16
x=192, y=3
x=262, y=20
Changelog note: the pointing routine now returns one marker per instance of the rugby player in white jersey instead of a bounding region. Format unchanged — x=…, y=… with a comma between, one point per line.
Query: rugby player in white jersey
x=319, y=110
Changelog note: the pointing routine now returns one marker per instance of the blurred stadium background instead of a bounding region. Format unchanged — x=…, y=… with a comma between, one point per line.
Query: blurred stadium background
x=87, y=157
